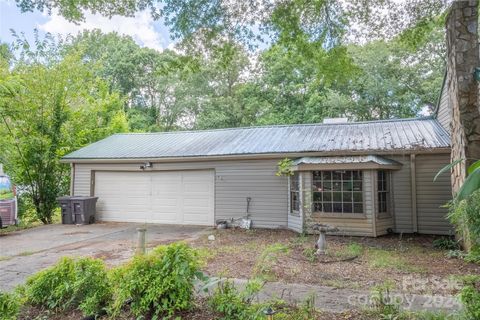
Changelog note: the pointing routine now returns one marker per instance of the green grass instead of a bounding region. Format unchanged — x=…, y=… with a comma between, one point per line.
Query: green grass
x=381, y=259
x=3, y=258
x=352, y=250
x=268, y=259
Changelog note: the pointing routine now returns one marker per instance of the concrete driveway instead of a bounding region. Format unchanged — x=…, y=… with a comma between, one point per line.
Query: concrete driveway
x=25, y=252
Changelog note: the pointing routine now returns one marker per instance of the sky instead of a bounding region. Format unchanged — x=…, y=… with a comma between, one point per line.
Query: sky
x=142, y=28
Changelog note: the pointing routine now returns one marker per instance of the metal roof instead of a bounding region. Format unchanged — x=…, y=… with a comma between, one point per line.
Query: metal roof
x=382, y=136
x=347, y=159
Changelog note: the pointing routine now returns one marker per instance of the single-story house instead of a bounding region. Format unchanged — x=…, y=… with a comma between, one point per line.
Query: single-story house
x=365, y=178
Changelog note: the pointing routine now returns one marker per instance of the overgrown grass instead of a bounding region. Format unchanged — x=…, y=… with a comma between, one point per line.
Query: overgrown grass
x=352, y=250
x=378, y=258
x=263, y=268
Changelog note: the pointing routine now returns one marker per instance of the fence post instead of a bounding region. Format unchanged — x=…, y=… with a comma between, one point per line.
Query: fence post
x=140, y=241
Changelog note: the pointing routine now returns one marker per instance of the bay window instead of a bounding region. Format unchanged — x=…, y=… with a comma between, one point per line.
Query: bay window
x=338, y=191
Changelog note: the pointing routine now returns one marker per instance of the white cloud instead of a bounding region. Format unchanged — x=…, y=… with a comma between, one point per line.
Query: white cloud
x=140, y=28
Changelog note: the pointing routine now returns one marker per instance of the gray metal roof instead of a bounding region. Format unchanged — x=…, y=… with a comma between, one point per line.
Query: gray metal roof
x=347, y=159
x=382, y=136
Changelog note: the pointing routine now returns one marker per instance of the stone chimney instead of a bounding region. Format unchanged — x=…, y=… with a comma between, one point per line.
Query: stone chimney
x=463, y=89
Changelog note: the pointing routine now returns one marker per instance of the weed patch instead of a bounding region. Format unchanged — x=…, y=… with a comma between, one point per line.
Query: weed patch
x=378, y=258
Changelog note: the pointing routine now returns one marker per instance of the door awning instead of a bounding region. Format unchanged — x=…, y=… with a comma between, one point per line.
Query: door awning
x=345, y=163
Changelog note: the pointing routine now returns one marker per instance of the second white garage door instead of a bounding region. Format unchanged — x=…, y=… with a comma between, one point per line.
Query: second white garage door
x=173, y=197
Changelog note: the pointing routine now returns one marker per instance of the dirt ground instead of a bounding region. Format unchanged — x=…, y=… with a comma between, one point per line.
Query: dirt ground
x=199, y=312
x=410, y=264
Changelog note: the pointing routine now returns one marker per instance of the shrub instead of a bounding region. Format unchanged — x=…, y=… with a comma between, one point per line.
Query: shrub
x=464, y=213
x=445, y=243
x=9, y=306
x=470, y=296
x=235, y=305
x=160, y=282
x=70, y=283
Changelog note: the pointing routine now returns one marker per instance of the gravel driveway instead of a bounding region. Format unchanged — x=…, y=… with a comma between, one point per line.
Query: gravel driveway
x=23, y=253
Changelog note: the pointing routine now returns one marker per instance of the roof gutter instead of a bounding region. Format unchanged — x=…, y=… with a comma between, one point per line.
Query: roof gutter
x=257, y=156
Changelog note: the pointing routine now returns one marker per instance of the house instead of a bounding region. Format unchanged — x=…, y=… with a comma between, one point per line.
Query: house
x=365, y=178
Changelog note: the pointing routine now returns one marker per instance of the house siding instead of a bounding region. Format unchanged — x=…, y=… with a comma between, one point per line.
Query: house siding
x=402, y=195
x=444, y=112
x=431, y=196
x=234, y=182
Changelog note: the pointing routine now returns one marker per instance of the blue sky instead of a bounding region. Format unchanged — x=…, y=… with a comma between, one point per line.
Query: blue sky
x=142, y=28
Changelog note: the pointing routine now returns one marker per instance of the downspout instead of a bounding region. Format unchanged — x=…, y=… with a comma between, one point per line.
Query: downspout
x=375, y=203
x=72, y=179
x=413, y=188
x=301, y=195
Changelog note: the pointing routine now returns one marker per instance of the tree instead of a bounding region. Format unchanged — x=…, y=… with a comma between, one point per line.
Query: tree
x=59, y=107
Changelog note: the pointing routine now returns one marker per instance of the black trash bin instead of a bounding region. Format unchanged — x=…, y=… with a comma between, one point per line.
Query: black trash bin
x=83, y=209
x=78, y=210
x=66, y=208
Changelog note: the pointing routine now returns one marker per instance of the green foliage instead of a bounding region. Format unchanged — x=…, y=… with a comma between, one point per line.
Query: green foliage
x=81, y=284
x=285, y=167
x=445, y=243
x=352, y=250
x=158, y=283
x=383, y=303
x=470, y=296
x=266, y=261
x=235, y=305
x=9, y=306
x=464, y=215
x=310, y=254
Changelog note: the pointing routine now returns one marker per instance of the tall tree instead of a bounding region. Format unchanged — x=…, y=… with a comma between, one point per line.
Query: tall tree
x=58, y=106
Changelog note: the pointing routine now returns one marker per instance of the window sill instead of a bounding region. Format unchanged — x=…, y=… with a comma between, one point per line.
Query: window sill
x=339, y=215
x=295, y=213
x=384, y=216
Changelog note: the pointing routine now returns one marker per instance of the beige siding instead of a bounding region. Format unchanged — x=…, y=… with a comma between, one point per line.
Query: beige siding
x=234, y=182
x=431, y=196
x=444, y=110
x=402, y=195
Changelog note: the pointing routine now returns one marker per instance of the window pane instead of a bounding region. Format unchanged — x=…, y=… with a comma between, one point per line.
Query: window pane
x=327, y=186
x=347, y=186
x=337, y=207
x=358, y=208
x=327, y=175
x=317, y=185
x=337, y=196
x=357, y=175
x=347, y=175
x=337, y=186
x=317, y=207
x=357, y=197
x=317, y=175
x=337, y=175
x=327, y=196
x=317, y=196
x=347, y=197
x=347, y=207
x=357, y=186
x=327, y=207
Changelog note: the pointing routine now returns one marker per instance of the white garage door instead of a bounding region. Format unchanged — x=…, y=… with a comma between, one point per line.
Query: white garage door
x=174, y=197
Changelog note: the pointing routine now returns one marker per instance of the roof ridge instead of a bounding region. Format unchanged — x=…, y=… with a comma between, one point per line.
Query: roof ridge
x=278, y=126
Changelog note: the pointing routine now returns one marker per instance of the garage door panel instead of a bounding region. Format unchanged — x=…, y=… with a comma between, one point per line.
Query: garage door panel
x=159, y=197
